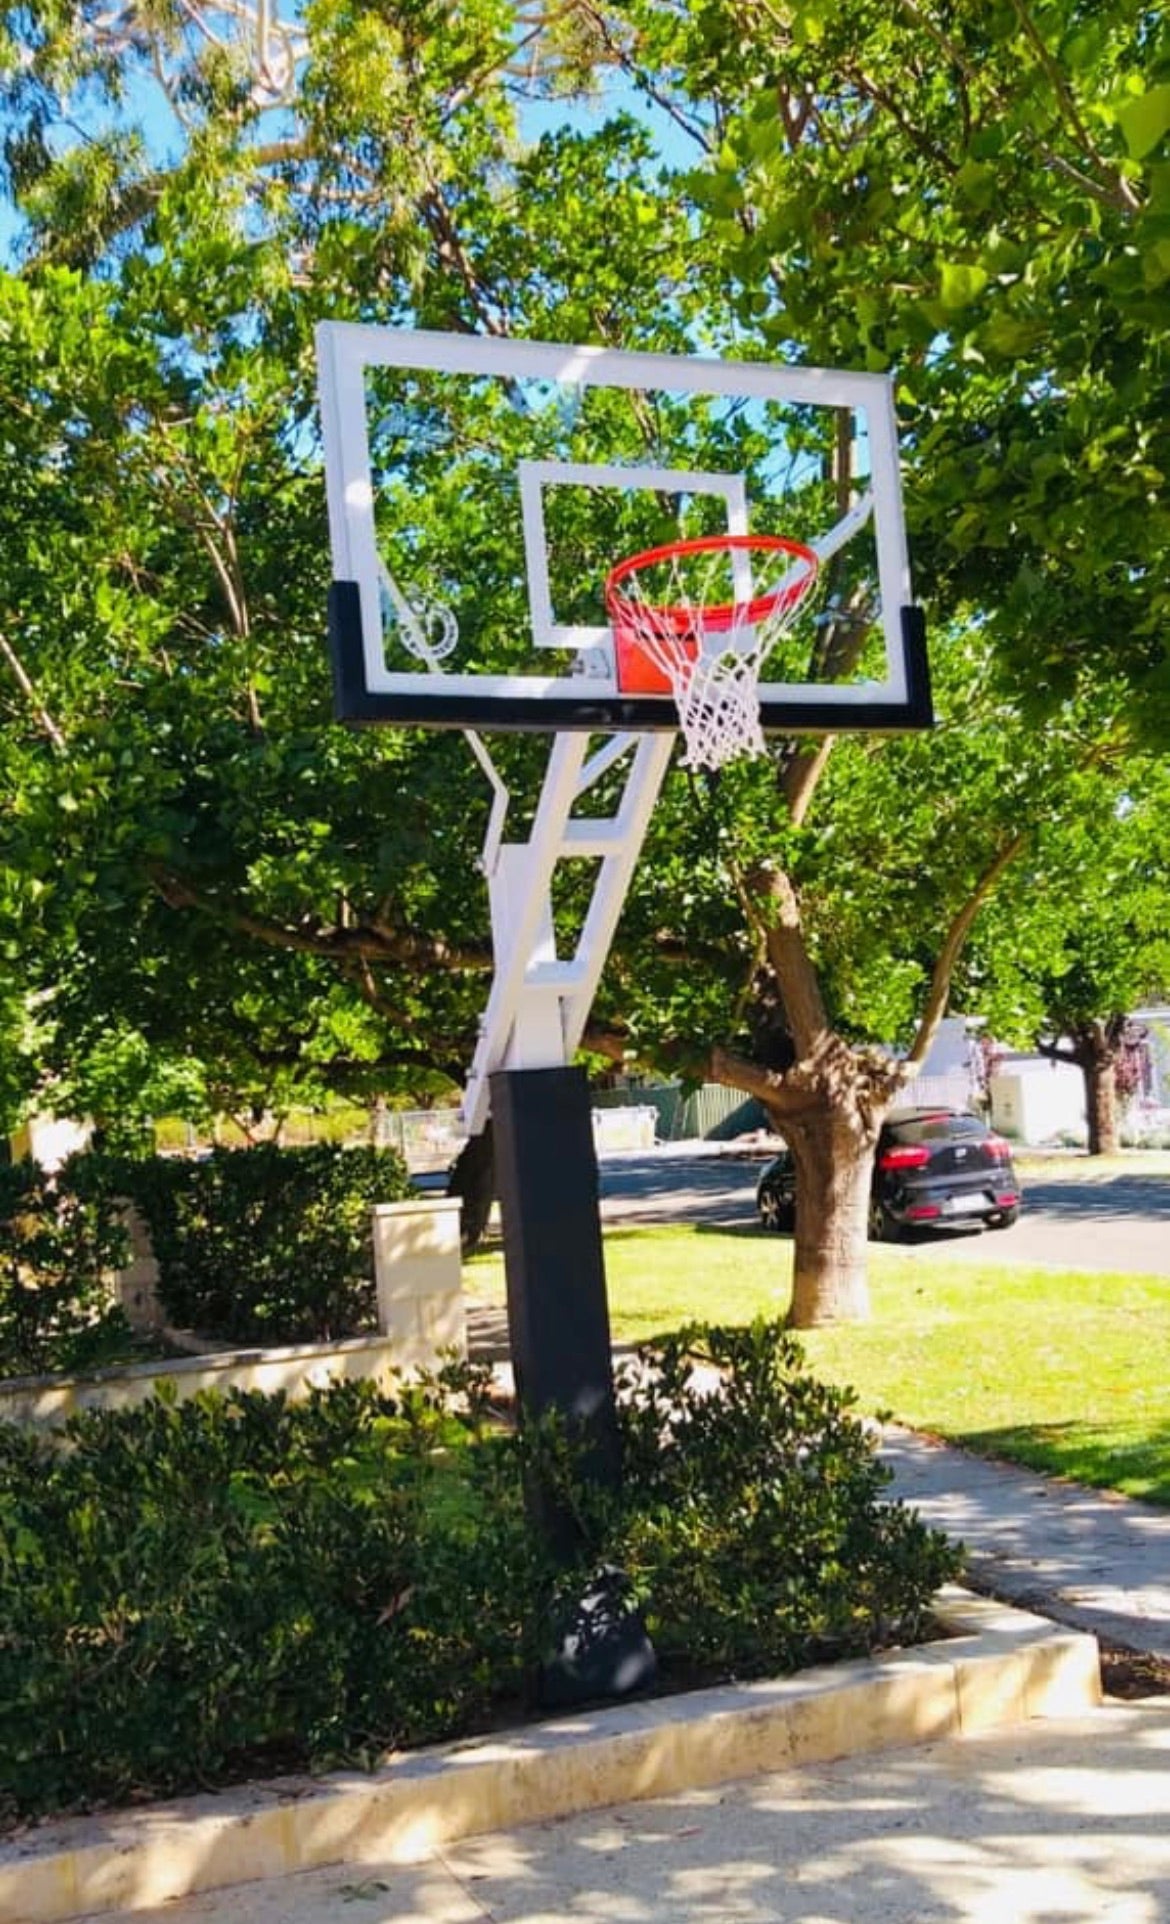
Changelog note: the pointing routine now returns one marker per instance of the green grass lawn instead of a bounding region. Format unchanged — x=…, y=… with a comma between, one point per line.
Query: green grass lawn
x=1061, y=1370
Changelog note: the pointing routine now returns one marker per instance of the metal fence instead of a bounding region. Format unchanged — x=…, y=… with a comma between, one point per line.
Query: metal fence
x=430, y=1139
x=424, y=1138
x=953, y=1091
x=711, y=1111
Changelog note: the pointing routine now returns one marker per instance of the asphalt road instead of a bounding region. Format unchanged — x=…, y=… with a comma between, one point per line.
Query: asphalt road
x=1069, y=1221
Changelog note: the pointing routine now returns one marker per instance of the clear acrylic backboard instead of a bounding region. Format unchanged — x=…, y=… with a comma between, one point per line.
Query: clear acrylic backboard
x=481, y=491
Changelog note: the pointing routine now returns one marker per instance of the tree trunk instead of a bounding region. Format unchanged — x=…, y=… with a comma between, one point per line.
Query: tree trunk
x=833, y=1152
x=473, y=1180
x=829, y=1108
x=1100, y=1073
x=830, y=1102
x=1095, y=1048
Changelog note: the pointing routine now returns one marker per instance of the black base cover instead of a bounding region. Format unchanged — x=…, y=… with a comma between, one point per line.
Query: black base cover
x=602, y=1647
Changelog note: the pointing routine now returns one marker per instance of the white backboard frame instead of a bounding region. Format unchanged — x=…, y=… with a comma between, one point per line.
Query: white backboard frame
x=369, y=689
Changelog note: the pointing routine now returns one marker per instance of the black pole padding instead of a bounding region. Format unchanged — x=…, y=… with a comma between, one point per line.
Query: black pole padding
x=558, y=1320
x=558, y=1315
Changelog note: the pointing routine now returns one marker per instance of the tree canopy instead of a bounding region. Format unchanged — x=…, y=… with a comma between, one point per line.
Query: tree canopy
x=978, y=199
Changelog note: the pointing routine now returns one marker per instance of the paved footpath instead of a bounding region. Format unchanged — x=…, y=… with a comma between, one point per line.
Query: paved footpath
x=1087, y=1558
x=1054, y=1822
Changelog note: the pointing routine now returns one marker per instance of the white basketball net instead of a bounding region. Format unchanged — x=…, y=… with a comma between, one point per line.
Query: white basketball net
x=706, y=613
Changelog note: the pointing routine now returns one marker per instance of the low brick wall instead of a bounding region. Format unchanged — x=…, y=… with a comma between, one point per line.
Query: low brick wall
x=45, y=1402
x=419, y=1288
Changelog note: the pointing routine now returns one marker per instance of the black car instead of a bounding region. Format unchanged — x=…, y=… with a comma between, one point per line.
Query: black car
x=934, y=1167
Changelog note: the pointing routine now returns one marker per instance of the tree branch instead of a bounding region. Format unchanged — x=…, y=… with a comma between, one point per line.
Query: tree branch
x=773, y=905
x=956, y=936
x=790, y=1094
x=453, y=253
x=215, y=531
x=801, y=772
x=1114, y=191
x=24, y=682
x=1119, y=188
x=776, y=1089
x=628, y=65
x=1054, y=1053
x=913, y=135
x=359, y=944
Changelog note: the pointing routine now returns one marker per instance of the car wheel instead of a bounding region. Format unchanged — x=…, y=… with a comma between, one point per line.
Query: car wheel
x=883, y=1228
x=1004, y=1218
x=775, y=1214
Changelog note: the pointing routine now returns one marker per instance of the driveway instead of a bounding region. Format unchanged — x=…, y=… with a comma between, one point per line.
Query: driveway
x=1071, y=1219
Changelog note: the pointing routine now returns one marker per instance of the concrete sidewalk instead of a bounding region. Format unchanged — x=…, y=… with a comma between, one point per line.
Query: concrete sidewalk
x=1086, y=1558
x=1056, y=1820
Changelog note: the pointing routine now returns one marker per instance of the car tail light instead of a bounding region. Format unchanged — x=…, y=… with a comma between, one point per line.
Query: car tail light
x=905, y=1156
x=923, y=1212
x=997, y=1147
x=1007, y=1200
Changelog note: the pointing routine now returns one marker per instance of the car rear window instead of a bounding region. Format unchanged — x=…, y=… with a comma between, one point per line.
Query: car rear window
x=938, y=1129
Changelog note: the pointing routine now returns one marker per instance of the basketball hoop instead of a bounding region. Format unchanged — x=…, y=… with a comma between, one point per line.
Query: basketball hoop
x=694, y=618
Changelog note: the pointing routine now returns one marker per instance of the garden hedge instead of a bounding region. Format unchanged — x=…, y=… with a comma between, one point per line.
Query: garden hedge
x=191, y=1593
x=59, y=1244
x=265, y=1244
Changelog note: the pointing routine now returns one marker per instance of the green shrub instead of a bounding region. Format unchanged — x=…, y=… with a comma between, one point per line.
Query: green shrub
x=757, y=1528
x=266, y=1244
x=191, y=1588
x=57, y=1249
x=193, y=1592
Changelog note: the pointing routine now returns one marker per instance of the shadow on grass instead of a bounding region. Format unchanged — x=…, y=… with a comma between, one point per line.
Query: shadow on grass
x=1099, y=1199
x=1137, y=1466
x=635, y=1232
x=755, y=1232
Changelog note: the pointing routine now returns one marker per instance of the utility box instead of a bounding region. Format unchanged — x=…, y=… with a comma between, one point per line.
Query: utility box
x=1035, y=1101
x=632, y=1128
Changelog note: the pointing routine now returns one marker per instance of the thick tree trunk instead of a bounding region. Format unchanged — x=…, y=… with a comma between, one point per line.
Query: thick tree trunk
x=834, y=1162
x=473, y=1180
x=1094, y=1047
x=829, y=1109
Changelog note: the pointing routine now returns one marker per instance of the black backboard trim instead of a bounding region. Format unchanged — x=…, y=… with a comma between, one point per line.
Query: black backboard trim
x=362, y=707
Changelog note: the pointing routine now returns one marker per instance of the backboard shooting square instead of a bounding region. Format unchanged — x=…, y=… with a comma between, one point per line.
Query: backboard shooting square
x=481, y=491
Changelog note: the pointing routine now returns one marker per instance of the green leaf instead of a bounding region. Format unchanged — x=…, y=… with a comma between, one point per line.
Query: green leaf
x=960, y=283
x=976, y=182
x=1156, y=263
x=1145, y=120
x=1003, y=333
x=1159, y=181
